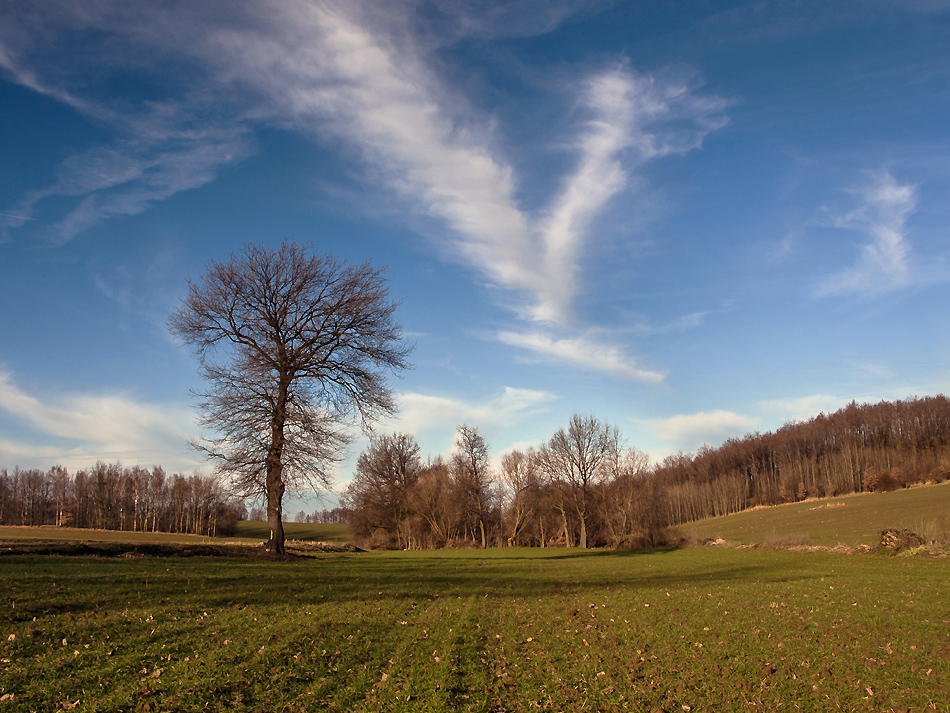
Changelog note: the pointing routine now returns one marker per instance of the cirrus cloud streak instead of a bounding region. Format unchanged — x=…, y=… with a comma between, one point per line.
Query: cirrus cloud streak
x=882, y=213
x=361, y=77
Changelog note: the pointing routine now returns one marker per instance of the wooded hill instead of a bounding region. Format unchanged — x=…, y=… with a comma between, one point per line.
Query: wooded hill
x=557, y=495
x=861, y=448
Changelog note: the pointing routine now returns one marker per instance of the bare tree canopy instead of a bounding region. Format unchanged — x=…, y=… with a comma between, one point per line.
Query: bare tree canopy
x=295, y=347
x=578, y=458
x=379, y=495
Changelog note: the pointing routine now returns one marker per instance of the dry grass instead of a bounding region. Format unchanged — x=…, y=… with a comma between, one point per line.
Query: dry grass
x=853, y=520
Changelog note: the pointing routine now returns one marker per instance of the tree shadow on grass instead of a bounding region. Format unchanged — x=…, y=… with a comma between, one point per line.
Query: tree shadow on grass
x=204, y=580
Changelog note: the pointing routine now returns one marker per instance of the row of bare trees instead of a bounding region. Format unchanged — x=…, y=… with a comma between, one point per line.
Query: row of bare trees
x=111, y=497
x=861, y=448
x=581, y=488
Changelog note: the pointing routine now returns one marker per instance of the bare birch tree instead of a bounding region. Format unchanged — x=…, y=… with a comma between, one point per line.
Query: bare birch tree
x=295, y=347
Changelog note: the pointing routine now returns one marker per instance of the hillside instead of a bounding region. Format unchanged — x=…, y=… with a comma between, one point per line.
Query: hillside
x=851, y=520
x=296, y=531
x=861, y=448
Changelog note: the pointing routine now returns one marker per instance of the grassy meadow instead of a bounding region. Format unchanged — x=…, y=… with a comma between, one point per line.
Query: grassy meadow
x=498, y=630
x=848, y=520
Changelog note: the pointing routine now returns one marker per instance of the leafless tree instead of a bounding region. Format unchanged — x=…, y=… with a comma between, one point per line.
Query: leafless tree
x=434, y=502
x=472, y=469
x=380, y=492
x=629, y=508
x=576, y=459
x=519, y=480
x=294, y=346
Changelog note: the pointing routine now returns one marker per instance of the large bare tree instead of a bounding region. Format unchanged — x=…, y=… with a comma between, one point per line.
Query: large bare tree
x=295, y=347
x=520, y=482
x=576, y=459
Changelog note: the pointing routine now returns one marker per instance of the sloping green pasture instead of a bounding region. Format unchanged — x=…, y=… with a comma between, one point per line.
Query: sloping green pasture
x=502, y=630
x=849, y=520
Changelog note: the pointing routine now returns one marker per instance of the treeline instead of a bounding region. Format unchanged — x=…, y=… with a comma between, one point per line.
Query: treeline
x=583, y=488
x=111, y=497
x=335, y=516
x=861, y=448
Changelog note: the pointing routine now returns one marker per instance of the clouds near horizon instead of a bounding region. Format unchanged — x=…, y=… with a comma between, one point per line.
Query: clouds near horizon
x=76, y=430
x=689, y=431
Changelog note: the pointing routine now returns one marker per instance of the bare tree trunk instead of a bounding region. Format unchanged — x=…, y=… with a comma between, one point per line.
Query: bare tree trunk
x=275, y=483
x=567, y=530
x=275, y=492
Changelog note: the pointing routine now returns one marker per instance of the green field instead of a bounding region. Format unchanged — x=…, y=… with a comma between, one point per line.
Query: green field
x=850, y=520
x=501, y=630
x=51, y=533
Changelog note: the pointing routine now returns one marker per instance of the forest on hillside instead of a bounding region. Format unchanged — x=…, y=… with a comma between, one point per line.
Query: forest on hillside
x=860, y=448
x=583, y=488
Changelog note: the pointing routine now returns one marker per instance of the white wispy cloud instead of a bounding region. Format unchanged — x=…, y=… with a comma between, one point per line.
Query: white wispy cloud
x=28, y=78
x=358, y=74
x=132, y=175
x=327, y=72
x=581, y=351
x=422, y=413
x=690, y=431
x=802, y=408
x=76, y=430
x=512, y=18
x=881, y=215
x=679, y=324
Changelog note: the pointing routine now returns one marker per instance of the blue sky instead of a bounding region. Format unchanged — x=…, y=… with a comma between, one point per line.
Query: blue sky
x=692, y=220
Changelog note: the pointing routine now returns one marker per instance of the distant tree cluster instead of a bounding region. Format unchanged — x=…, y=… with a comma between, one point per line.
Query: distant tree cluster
x=336, y=516
x=111, y=497
x=582, y=488
x=861, y=448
